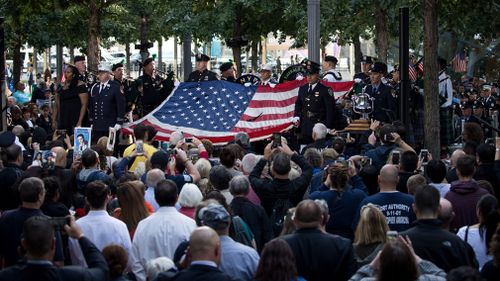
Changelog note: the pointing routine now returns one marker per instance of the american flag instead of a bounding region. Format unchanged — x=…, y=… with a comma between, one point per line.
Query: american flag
x=218, y=110
x=459, y=62
x=412, y=73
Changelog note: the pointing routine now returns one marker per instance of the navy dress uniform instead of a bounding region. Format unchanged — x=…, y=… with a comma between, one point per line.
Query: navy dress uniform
x=385, y=102
x=315, y=104
x=204, y=75
x=106, y=106
x=225, y=67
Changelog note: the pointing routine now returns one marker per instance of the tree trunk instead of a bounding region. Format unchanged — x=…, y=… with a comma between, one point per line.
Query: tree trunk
x=381, y=31
x=357, y=53
x=176, y=56
x=144, y=37
x=17, y=65
x=94, y=39
x=431, y=101
x=160, y=54
x=209, y=53
x=263, y=53
x=255, y=53
x=127, y=59
x=237, y=59
x=35, y=63
x=71, y=54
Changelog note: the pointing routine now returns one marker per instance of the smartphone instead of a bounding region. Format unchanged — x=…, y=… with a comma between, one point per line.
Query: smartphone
x=395, y=157
x=388, y=138
x=391, y=234
x=276, y=140
x=51, y=161
x=188, y=140
x=424, y=155
x=139, y=147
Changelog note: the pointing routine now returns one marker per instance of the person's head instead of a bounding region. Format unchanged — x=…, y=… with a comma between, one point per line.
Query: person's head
x=80, y=63
x=377, y=71
x=166, y=193
x=319, y=131
x=473, y=133
x=157, y=266
x=338, y=176
x=45, y=110
x=372, y=226
x=330, y=62
x=32, y=190
x=339, y=145
x=227, y=70
x=61, y=156
x=484, y=184
x=463, y=273
x=485, y=153
x=71, y=74
x=242, y=139
x=446, y=213
x=52, y=189
x=426, y=204
x=97, y=194
x=277, y=262
x=216, y=217
x=151, y=133
x=409, y=161
x=265, y=72
x=159, y=160
x=388, y=178
x=220, y=177
x=203, y=166
x=175, y=137
x=103, y=74
x=312, y=77
x=366, y=63
x=307, y=215
x=465, y=167
x=314, y=157
x=131, y=200
x=488, y=215
x=385, y=130
x=38, y=238
x=288, y=225
x=248, y=163
x=12, y=154
x=325, y=212
x=202, y=62
x=239, y=186
x=396, y=262
x=442, y=63
x=153, y=177
x=141, y=132
x=149, y=66
x=436, y=170
x=11, y=101
x=117, y=258
x=19, y=86
x=190, y=195
x=117, y=71
x=454, y=157
x=90, y=158
x=414, y=183
x=204, y=244
x=281, y=165
x=227, y=157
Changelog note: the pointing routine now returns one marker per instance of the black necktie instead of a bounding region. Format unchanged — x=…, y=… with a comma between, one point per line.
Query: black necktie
x=310, y=88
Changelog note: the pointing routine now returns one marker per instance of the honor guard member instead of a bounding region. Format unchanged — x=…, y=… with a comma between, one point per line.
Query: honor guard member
x=488, y=100
x=228, y=72
x=107, y=104
x=266, y=76
x=150, y=89
x=315, y=104
x=366, y=65
x=329, y=65
x=385, y=102
x=125, y=84
x=202, y=73
x=81, y=64
x=445, y=101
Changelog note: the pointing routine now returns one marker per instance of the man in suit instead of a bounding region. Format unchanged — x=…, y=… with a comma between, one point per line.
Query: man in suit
x=107, y=104
x=204, y=255
x=202, y=73
x=39, y=242
x=315, y=104
x=318, y=255
x=385, y=104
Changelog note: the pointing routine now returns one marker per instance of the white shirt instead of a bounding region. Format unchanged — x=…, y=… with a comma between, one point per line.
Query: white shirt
x=103, y=230
x=445, y=89
x=332, y=76
x=443, y=188
x=477, y=243
x=149, y=196
x=158, y=236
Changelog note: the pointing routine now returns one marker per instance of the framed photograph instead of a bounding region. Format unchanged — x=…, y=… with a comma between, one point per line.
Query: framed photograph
x=82, y=139
x=111, y=139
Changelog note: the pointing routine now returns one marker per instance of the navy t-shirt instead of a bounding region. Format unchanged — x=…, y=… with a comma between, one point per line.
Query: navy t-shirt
x=396, y=207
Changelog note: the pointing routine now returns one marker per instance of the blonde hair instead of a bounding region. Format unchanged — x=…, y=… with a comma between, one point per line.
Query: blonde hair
x=372, y=226
x=203, y=166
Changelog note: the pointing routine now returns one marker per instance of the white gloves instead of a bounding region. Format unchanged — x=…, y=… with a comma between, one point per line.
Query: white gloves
x=299, y=77
x=247, y=84
x=117, y=127
x=357, y=80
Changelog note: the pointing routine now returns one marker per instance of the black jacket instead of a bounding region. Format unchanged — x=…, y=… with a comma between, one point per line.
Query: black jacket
x=269, y=191
x=107, y=107
x=26, y=271
x=196, y=273
x=385, y=104
x=9, y=197
x=441, y=247
x=256, y=218
x=321, y=256
x=489, y=173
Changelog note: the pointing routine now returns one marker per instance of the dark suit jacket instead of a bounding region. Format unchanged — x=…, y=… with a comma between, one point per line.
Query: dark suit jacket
x=195, y=273
x=26, y=271
x=106, y=108
x=385, y=105
x=321, y=256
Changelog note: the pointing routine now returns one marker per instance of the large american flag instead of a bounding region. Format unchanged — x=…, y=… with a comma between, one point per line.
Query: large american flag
x=217, y=110
x=459, y=62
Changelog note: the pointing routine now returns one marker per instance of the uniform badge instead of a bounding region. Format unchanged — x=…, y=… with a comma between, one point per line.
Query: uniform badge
x=316, y=94
x=330, y=92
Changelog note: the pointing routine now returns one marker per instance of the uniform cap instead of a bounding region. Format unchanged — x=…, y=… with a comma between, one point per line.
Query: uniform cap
x=116, y=66
x=103, y=68
x=366, y=59
x=202, y=57
x=266, y=67
x=78, y=58
x=225, y=66
x=487, y=86
x=379, y=67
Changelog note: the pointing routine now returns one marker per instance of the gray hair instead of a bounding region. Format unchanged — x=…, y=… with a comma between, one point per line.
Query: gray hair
x=154, y=176
x=323, y=206
x=203, y=166
x=239, y=185
x=18, y=130
x=175, y=137
x=190, y=195
x=248, y=162
x=314, y=157
x=320, y=131
x=158, y=265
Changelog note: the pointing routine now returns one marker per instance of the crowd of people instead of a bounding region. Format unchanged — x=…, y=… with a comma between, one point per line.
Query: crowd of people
x=378, y=207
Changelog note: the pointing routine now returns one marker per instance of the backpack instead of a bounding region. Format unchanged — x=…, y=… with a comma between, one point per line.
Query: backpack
x=241, y=231
x=278, y=214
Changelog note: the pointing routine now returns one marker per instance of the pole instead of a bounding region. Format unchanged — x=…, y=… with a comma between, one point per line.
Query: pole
x=404, y=48
x=186, y=52
x=59, y=62
x=313, y=30
x=3, y=83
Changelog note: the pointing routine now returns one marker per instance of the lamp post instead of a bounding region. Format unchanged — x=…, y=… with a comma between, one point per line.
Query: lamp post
x=313, y=30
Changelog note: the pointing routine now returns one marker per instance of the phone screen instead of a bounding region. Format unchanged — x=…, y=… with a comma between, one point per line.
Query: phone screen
x=395, y=158
x=424, y=155
x=276, y=140
x=139, y=147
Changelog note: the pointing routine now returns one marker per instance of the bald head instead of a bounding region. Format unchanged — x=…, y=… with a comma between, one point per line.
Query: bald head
x=455, y=155
x=204, y=244
x=307, y=215
x=388, y=178
x=60, y=156
x=446, y=213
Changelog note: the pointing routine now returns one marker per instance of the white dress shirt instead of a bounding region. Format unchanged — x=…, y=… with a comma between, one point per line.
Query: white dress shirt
x=158, y=236
x=103, y=230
